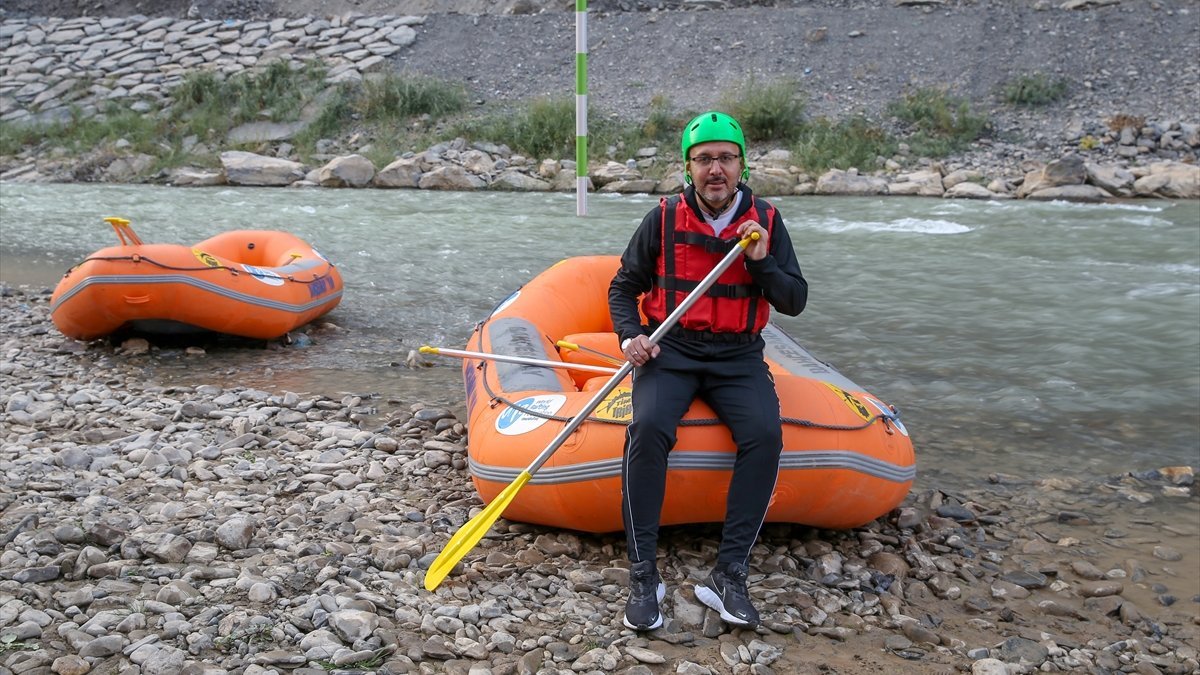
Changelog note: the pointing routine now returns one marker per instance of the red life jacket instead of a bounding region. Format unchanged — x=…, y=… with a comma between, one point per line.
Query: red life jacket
x=735, y=304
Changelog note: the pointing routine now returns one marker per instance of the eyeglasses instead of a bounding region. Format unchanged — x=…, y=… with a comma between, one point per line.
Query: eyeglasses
x=704, y=161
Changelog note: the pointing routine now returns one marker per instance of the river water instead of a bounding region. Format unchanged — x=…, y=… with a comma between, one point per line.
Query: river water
x=1027, y=338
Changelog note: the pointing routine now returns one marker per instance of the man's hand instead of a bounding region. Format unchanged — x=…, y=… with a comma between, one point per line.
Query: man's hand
x=638, y=350
x=757, y=250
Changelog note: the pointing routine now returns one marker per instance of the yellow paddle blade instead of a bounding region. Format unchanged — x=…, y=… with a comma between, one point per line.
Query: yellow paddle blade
x=567, y=345
x=471, y=532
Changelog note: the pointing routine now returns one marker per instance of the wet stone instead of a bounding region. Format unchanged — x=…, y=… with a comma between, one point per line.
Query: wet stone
x=956, y=513
x=1099, y=589
x=1025, y=579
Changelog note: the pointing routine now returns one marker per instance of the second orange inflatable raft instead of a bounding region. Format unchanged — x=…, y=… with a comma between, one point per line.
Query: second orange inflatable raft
x=847, y=458
x=249, y=283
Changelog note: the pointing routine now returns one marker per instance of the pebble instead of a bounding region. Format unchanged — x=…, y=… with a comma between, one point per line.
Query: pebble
x=209, y=530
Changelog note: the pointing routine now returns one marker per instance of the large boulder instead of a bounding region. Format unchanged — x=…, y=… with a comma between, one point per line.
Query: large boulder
x=778, y=158
x=247, y=168
x=969, y=190
x=192, y=177
x=477, y=162
x=670, y=184
x=517, y=181
x=961, y=176
x=1111, y=177
x=125, y=169
x=636, y=186
x=612, y=172
x=1073, y=193
x=566, y=181
x=838, y=182
x=405, y=172
x=769, y=181
x=349, y=171
x=1174, y=180
x=1069, y=170
x=919, y=183
x=450, y=177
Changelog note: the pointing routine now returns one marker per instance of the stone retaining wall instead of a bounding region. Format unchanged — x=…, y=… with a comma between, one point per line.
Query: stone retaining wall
x=49, y=65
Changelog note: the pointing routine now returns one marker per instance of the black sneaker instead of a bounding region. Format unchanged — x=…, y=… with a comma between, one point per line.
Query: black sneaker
x=725, y=591
x=646, y=590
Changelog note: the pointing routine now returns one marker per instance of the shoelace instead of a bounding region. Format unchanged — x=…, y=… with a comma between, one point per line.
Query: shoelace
x=644, y=588
x=735, y=582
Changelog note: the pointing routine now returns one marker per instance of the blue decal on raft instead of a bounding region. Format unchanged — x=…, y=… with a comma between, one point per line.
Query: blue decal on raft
x=320, y=286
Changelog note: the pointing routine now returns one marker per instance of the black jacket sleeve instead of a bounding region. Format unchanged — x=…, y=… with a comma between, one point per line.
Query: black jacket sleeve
x=779, y=273
x=635, y=276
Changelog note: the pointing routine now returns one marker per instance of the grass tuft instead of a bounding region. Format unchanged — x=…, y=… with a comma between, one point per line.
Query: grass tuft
x=1034, y=89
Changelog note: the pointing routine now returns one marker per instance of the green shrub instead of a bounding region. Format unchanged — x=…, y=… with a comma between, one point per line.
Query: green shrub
x=1034, y=89
x=81, y=133
x=208, y=105
x=662, y=127
x=395, y=96
x=767, y=112
x=849, y=143
x=542, y=128
x=942, y=123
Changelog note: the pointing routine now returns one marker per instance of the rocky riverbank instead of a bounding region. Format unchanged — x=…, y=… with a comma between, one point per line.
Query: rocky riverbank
x=1112, y=138
x=153, y=527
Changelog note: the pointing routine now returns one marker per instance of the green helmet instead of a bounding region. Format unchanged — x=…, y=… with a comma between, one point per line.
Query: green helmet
x=714, y=126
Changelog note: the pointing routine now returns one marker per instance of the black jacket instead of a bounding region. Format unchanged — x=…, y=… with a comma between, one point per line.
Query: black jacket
x=778, y=273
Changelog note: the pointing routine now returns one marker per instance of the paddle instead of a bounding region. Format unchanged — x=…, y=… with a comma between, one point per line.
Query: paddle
x=571, y=346
x=524, y=360
x=470, y=533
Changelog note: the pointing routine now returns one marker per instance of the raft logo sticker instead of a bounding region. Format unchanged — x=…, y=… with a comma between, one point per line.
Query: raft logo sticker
x=206, y=258
x=617, y=406
x=513, y=422
x=852, y=403
x=264, y=275
x=887, y=412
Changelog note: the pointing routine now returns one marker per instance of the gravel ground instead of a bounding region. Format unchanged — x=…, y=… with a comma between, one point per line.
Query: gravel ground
x=152, y=528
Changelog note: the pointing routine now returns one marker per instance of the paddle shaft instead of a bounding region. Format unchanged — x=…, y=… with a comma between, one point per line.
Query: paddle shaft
x=627, y=367
x=523, y=360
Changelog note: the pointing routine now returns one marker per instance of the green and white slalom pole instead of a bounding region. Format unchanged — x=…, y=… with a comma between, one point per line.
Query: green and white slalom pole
x=581, y=172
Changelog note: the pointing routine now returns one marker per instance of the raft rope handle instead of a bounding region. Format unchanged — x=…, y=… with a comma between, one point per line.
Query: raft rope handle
x=137, y=258
x=496, y=399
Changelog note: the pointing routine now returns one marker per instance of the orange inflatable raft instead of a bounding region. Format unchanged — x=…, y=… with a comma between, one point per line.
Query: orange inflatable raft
x=847, y=458
x=254, y=284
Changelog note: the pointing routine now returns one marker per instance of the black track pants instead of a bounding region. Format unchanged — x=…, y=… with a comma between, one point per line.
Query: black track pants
x=735, y=382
